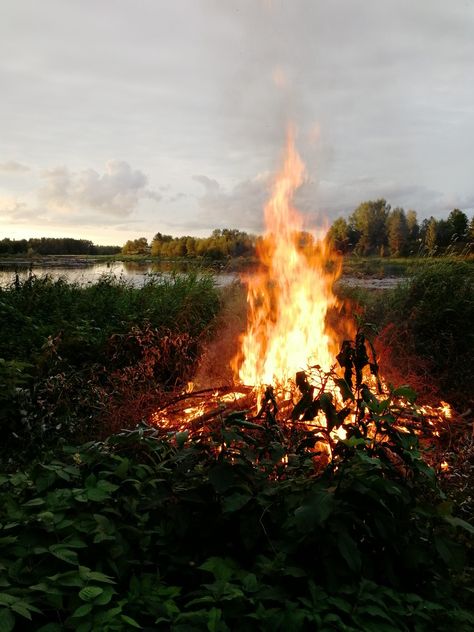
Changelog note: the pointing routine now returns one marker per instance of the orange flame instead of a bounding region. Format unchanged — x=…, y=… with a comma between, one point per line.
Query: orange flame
x=289, y=298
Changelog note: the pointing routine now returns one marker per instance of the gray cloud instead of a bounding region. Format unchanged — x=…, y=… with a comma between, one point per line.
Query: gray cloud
x=241, y=206
x=115, y=193
x=11, y=166
x=207, y=87
x=12, y=208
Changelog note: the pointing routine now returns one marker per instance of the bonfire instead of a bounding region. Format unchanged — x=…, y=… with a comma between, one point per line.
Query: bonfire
x=293, y=370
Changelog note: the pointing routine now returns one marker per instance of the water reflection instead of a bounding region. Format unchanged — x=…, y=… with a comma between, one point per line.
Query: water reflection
x=135, y=272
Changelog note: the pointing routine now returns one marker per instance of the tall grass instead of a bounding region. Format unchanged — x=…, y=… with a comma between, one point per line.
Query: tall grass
x=78, y=361
x=426, y=327
x=399, y=266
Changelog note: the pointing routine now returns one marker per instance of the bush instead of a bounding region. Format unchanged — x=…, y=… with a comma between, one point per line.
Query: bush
x=217, y=533
x=433, y=315
x=72, y=357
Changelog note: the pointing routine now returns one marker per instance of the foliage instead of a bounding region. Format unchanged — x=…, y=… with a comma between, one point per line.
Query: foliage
x=221, y=245
x=434, y=312
x=136, y=247
x=369, y=220
x=237, y=528
x=424, y=324
x=72, y=357
x=375, y=229
x=53, y=246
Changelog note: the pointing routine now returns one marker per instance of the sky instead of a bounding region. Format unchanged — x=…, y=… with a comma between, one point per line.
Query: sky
x=123, y=118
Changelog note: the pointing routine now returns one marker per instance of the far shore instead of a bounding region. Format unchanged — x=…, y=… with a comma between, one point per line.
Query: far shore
x=372, y=267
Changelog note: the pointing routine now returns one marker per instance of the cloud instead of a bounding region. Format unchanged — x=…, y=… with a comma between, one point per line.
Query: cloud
x=211, y=185
x=241, y=206
x=114, y=193
x=11, y=166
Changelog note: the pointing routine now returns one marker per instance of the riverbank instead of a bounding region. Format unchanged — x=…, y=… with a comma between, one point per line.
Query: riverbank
x=373, y=267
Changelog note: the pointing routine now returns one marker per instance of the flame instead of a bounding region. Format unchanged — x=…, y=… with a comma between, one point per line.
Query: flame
x=289, y=298
x=288, y=301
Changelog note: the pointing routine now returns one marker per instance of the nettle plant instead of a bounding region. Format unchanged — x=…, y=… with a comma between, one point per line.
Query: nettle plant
x=242, y=525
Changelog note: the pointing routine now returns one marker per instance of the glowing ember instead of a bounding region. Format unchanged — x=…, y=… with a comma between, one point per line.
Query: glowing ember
x=289, y=299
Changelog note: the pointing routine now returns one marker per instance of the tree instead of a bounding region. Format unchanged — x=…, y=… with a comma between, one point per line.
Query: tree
x=430, y=229
x=470, y=233
x=136, y=247
x=339, y=235
x=413, y=231
x=369, y=222
x=397, y=229
x=458, y=224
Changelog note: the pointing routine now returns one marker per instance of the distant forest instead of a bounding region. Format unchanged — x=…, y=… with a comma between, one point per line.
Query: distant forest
x=222, y=244
x=374, y=228
x=54, y=246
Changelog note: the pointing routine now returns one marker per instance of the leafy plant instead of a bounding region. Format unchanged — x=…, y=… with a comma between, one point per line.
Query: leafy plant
x=78, y=362
x=237, y=527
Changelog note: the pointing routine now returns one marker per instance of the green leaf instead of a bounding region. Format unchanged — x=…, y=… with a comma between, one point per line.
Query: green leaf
x=97, y=495
x=24, y=609
x=6, y=599
x=95, y=576
x=130, y=621
x=105, y=597
x=63, y=553
x=215, y=615
x=181, y=438
x=353, y=442
x=405, y=391
x=235, y=501
x=376, y=611
x=82, y=611
x=71, y=578
x=349, y=551
x=7, y=620
x=345, y=389
x=35, y=502
x=314, y=512
x=88, y=593
x=237, y=421
x=107, y=486
x=222, y=568
x=459, y=522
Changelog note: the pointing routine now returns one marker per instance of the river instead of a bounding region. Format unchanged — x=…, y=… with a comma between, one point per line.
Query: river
x=138, y=273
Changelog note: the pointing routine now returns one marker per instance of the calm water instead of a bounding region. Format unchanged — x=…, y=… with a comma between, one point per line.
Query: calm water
x=138, y=273
x=135, y=273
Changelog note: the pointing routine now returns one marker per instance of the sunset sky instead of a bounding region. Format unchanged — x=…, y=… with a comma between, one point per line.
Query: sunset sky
x=122, y=118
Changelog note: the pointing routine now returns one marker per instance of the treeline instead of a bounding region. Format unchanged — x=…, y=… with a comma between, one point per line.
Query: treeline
x=54, y=246
x=222, y=244
x=374, y=228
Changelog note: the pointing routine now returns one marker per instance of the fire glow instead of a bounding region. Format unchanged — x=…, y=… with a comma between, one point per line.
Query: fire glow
x=289, y=298
x=287, y=334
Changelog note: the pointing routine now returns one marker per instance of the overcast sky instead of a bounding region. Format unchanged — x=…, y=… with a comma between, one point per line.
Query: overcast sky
x=122, y=118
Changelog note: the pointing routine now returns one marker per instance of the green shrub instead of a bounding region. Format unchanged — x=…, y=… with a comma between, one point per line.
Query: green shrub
x=170, y=534
x=72, y=357
x=245, y=525
x=434, y=312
